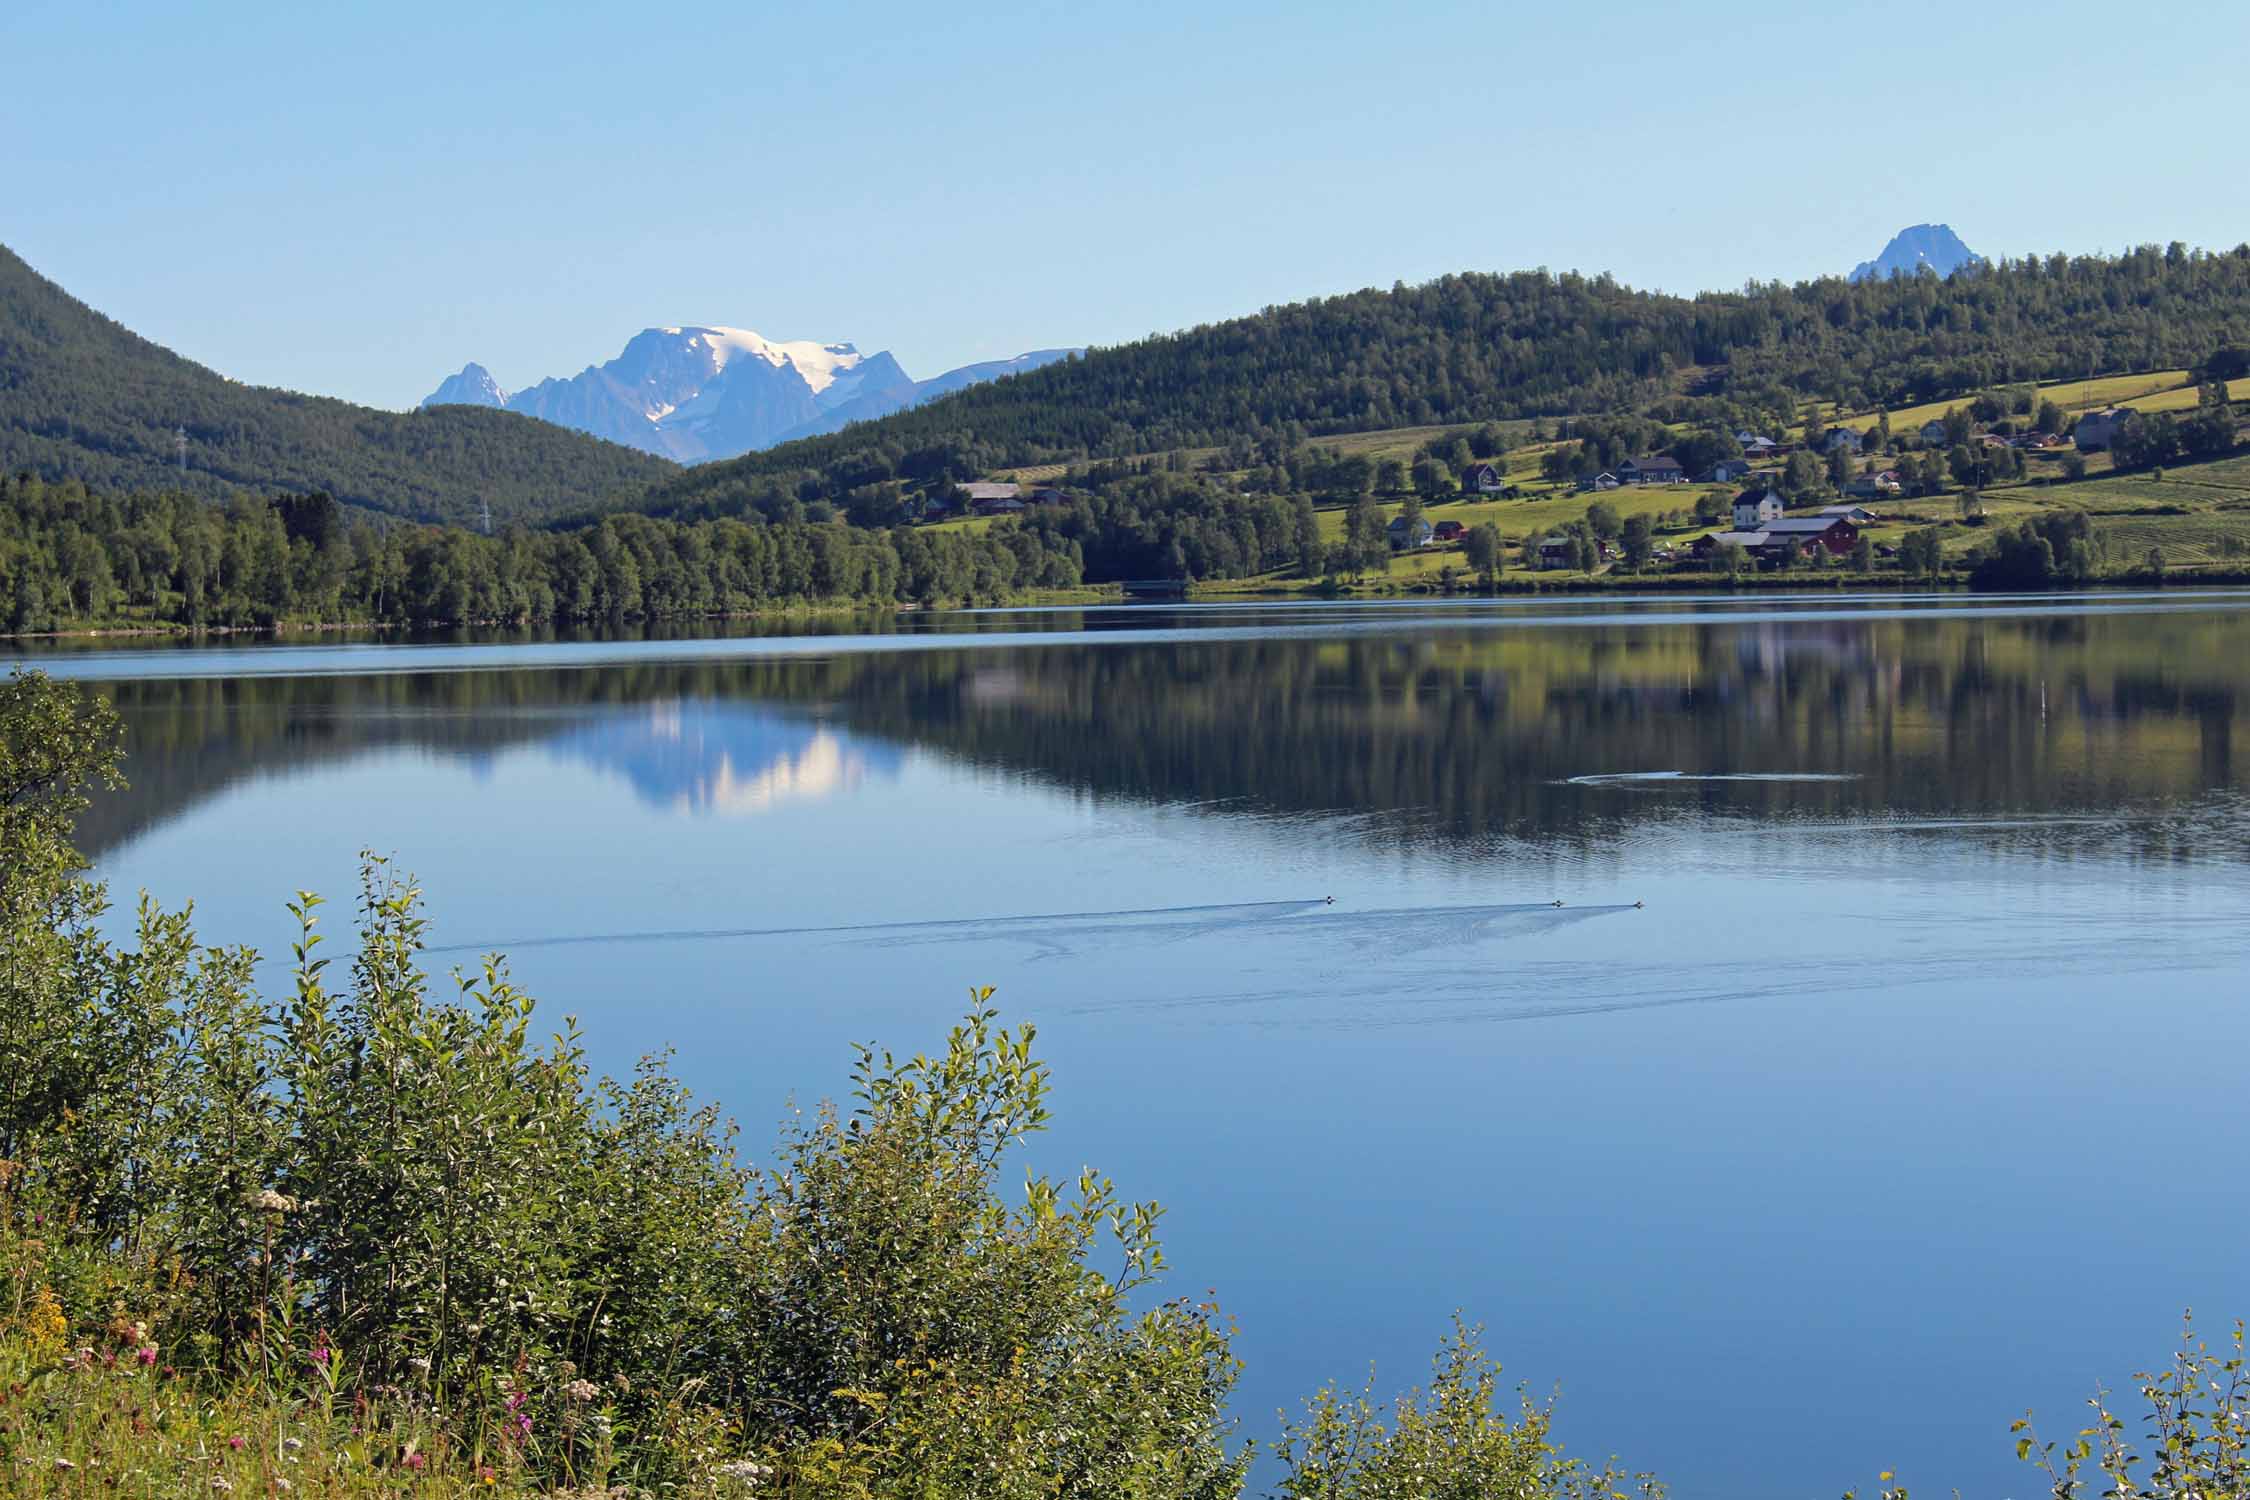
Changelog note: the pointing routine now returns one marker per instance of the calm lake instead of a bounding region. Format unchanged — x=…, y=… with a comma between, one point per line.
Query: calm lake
x=1805, y=1033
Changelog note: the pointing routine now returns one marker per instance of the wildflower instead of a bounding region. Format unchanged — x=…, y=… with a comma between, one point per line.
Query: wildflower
x=413, y=1461
x=238, y=1443
x=582, y=1390
x=418, y=1365
x=64, y=1464
x=487, y=1476
x=147, y=1355
x=293, y=1444
x=274, y=1203
x=222, y=1484
x=282, y=1485
x=745, y=1471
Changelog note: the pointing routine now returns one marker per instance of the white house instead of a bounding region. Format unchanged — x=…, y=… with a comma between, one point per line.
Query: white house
x=1754, y=508
x=1840, y=440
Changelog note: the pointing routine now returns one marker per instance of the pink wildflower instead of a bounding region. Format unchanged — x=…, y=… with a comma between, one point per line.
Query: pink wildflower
x=238, y=1443
x=414, y=1461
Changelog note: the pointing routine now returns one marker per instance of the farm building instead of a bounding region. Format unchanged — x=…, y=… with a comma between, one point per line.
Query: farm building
x=2099, y=429
x=1835, y=533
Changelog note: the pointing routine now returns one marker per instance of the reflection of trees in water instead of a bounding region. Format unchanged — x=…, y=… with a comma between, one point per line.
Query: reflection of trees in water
x=1460, y=734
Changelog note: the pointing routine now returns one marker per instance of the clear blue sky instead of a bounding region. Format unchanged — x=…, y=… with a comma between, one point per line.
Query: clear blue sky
x=357, y=199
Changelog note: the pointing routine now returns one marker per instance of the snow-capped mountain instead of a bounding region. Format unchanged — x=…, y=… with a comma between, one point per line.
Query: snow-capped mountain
x=1932, y=245
x=474, y=386
x=697, y=393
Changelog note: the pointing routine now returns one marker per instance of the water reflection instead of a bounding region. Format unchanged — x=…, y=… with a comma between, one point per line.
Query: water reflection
x=1468, y=739
x=699, y=756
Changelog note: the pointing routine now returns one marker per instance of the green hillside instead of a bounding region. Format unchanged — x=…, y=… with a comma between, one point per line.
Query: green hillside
x=82, y=397
x=1474, y=348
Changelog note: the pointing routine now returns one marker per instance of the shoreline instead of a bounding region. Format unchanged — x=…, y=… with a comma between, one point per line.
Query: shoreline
x=1096, y=596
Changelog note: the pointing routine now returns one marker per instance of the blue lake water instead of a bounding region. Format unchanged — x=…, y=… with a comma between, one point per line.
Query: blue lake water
x=1876, y=1077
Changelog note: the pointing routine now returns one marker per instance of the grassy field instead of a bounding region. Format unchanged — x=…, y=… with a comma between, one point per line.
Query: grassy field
x=2156, y=390
x=1380, y=443
x=2214, y=496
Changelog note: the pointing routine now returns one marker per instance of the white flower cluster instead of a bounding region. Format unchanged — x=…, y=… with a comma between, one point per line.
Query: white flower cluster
x=745, y=1471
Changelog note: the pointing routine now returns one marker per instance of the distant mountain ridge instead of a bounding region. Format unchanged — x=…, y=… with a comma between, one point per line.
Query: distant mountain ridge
x=699, y=392
x=83, y=397
x=1935, y=246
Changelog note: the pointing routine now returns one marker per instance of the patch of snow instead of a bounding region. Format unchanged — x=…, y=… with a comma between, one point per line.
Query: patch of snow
x=818, y=364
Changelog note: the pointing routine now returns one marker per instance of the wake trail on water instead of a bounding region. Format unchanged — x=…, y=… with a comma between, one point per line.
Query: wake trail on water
x=938, y=929
x=1065, y=934
x=1664, y=778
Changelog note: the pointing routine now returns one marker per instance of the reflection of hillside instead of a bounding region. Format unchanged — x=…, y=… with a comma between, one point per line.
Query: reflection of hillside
x=1459, y=734
x=1469, y=734
x=730, y=759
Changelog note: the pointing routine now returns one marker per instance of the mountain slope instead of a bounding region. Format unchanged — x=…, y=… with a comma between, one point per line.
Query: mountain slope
x=83, y=397
x=1934, y=246
x=1474, y=348
x=704, y=392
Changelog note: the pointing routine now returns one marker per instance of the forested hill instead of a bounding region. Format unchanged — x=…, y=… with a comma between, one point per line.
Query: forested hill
x=82, y=397
x=1475, y=347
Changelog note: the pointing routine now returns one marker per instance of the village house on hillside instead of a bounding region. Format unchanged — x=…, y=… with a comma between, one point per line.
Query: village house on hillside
x=1405, y=537
x=1872, y=486
x=1727, y=471
x=1753, y=508
x=1482, y=479
x=988, y=497
x=1840, y=440
x=1858, y=515
x=1655, y=469
x=1835, y=533
x=1789, y=536
x=1449, y=531
x=2099, y=429
x=1933, y=433
x=1601, y=481
x=1558, y=551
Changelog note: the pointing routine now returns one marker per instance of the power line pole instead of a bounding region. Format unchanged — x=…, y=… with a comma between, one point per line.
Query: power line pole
x=487, y=506
x=179, y=443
